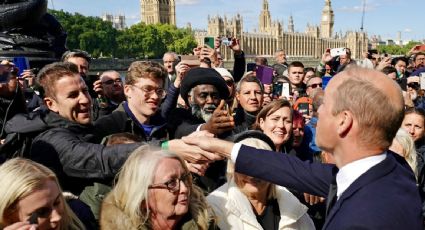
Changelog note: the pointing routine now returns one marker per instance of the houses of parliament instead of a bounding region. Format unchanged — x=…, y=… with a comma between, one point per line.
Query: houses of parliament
x=270, y=36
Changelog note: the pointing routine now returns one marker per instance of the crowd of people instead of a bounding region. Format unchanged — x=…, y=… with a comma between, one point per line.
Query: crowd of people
x=189, y=144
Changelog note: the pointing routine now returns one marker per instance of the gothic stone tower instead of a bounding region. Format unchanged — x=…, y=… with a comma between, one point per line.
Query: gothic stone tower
x=158, y=11
x=327, y=23
x=265, y=18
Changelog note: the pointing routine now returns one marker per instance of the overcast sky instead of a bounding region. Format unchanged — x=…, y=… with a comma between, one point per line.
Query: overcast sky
x=383, y=17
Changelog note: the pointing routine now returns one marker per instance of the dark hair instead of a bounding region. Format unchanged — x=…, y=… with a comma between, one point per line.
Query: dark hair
x=261, y=60
x=269, y=109
x=417, y=54
x=397, y=59
x=415, y=110
x=122, y=138
x=51, y=73
x=296, y=64
x=76, y=53
x=308, y=69
x=389, y=69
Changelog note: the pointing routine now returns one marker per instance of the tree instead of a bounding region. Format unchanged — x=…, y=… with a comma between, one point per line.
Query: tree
x=98, y=37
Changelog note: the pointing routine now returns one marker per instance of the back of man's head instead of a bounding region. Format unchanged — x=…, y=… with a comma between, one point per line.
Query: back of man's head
x=375, y=101
x=50, y=74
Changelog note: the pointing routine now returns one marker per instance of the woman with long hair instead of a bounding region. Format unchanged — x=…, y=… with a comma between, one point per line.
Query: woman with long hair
x=154, y=191
x=31, y=198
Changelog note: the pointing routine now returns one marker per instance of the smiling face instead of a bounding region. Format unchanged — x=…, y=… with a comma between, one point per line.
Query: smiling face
x=278, y=126
x=71, y=99
x=47, y=202
x=142, y=99
x=165, y=204
x=251, y=186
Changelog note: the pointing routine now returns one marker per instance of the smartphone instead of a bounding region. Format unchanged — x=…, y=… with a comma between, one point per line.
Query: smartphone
x=251, y=67
x=303, y=108
x=33, y=218
x=338, y=51
x=209, y=41
x=264, y=74
x=422, y=80
x=281, y=89
x=226, y=41
x=190, y=60
x=22, y=63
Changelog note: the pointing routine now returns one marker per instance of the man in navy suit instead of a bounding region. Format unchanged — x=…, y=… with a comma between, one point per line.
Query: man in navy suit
x=369, y=187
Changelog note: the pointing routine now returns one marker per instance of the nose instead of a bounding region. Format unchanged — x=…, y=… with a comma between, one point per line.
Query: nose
x=183, y=187
x=85, y=98
x=55, y=216
x=210, y=99
x=411, y=130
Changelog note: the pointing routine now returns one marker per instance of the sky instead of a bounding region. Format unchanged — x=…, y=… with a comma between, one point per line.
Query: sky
x=382, y=17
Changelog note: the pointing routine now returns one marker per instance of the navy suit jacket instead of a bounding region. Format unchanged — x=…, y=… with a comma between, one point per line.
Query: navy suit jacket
x=384, y=197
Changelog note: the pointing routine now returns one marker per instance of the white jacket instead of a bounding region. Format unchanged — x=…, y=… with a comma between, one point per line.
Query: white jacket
x=232, y=209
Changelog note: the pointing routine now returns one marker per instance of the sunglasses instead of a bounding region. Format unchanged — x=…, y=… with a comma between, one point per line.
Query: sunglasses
x=110, y=82
x=313, y=86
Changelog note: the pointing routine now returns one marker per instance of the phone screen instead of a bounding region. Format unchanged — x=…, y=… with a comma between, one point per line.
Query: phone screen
x=209, y=41
x=422, y=80
x=251, y=67
x=264, y=74
x=303, y=108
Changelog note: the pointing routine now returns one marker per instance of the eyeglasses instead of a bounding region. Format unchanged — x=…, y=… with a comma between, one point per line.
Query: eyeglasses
x=173, y=185
x=111, y=81
x=313, y=86
x=413, y=85
x=149, y=90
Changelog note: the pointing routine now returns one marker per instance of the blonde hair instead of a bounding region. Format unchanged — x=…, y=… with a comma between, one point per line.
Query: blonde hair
x=131, y=189
x=379, y=116
x=259, y=144
x=22, y=177
x=409, y=150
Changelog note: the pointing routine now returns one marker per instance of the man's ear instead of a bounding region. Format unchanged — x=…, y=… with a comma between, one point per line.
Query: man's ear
x=51, y=104
x=127, y=89
x=345, y=122
x=237, y=96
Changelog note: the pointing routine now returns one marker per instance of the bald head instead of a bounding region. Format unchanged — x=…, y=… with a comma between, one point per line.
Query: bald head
x=375, y=101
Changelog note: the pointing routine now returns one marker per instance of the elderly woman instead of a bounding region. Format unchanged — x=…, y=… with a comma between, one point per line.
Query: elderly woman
x=249, y=203
x=154, y=191
x=404, y=145
x=275, y=120
x=31, y=198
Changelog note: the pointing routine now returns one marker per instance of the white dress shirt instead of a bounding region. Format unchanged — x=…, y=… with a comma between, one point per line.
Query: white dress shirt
x=351, y=171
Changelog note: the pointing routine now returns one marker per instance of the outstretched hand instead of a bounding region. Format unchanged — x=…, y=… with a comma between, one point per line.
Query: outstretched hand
x=193, y=154
x=216, y=146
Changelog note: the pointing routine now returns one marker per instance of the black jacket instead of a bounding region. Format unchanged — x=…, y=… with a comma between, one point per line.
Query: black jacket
x=67, y=148
x=119, y=122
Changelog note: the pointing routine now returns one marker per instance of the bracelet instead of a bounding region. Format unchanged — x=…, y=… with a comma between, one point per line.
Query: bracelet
x=164, y=145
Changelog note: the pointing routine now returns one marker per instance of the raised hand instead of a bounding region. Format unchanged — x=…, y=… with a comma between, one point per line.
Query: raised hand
x=220, y=121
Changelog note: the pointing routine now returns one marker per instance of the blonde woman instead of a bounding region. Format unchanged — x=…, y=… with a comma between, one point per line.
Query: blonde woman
x=154, y=191
x=245, y=202
x=31, y=198
x=404, y=146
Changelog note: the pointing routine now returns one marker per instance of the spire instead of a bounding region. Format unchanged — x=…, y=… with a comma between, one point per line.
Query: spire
x=327, y=21
x=265, y=18
x=291, y=24
x=265, y=5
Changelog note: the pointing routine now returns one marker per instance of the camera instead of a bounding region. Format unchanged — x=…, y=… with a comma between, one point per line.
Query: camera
x=226, y=41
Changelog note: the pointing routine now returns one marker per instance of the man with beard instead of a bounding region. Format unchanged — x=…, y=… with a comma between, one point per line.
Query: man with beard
x=204, y=91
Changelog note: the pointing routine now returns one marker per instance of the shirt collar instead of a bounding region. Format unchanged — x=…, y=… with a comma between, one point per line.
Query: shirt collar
x=350, y=172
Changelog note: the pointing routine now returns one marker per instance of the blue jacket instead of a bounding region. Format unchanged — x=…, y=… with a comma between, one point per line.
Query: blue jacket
x=384, y=197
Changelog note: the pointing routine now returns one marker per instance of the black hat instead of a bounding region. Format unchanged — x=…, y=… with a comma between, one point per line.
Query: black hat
x=254, y=134
x=201, y=76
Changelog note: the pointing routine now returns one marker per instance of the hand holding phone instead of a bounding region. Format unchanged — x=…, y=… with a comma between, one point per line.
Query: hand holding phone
x=33, y=218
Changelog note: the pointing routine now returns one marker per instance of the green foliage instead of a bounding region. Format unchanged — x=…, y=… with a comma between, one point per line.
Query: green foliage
x=139, y=41
x=396, y=49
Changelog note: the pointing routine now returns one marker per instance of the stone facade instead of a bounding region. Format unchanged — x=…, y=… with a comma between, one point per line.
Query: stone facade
x=158, y=11
x=271, y=36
